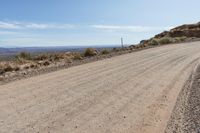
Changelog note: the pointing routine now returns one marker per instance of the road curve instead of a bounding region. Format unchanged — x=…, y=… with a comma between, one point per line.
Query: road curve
x=132, y=93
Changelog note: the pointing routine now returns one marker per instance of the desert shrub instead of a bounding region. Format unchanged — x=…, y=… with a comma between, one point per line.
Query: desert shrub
x=90, y=52
x=58, y=56
x=16, y=68
x=176, y=40
x=132, y=47
x=2, y=71
x=137, y=47
x=21, y=61
x=33, y=66
x=77, y=56
x=153, y=42
x=116, y=49
x=183, y=38
x=43, y=63
x=8, y=68
x=143, y=41
x=24, y=55
x=1, y=78
x=179, y=39
x=41, y=57
x=141, y=46
x=165, y=40
x=105, y=51
x=46, y=63
x=26, y=67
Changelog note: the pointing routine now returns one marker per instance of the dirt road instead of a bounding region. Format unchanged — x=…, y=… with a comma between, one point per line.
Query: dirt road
x=132, y=93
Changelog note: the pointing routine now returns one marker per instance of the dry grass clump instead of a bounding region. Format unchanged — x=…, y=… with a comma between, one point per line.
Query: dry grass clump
x=140, y=46
x=165, y=40
x=8, y=67
x=90, y=52
x=115, y=50
x=160, y=41
x=42, y=57
x=58, y=56
x=24, y=55
x=33, y=65
x=77, y=56
x=43, y=63
x=46, y=63
x=180, y=39
x=153, y=42
x=54, y=57
x=105, y=52
x=50, y=57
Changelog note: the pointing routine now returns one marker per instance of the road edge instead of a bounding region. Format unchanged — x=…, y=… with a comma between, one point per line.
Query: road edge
x=185, y=115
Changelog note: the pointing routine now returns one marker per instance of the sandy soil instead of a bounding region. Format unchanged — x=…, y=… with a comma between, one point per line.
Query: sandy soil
x=132, y=93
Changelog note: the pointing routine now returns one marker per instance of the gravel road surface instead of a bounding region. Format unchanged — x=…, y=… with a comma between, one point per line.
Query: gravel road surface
x=132, y=93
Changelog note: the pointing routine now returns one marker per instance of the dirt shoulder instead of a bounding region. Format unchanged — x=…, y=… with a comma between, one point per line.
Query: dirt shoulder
x=185, y=117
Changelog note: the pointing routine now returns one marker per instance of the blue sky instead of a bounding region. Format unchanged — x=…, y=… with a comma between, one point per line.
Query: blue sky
x=90, y=22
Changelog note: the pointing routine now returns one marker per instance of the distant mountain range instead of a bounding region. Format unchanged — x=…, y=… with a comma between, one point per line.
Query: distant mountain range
x=37, y=49
x=5, y=52
x=50, y=49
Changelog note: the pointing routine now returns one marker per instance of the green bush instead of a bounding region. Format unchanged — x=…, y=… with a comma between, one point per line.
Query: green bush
x=90, y=52
x=105, y=51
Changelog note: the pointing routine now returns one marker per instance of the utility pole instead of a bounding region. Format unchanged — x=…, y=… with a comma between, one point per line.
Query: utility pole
x=122, y=42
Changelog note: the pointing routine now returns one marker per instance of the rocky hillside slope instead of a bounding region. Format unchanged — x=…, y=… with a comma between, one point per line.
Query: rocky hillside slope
x=187, y=32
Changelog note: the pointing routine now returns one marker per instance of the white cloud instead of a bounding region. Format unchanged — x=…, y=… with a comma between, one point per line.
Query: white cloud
x=36, y=26
x=49, y=26
x=129, y=28
x=5, y=25
x=20, y=25
x=43, y=26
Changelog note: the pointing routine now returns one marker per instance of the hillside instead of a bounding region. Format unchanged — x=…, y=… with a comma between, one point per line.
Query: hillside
x=187, y=30
x=183, y=33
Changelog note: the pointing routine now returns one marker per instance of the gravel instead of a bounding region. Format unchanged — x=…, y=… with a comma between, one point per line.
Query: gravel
x=186, y=115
